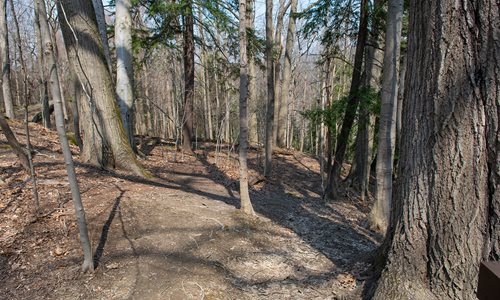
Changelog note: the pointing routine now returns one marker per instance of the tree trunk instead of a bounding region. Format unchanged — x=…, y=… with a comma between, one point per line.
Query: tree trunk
x=44, y=92
x=187, y=128
x=207, y=107
x=270, y=89
x=103, y=31
x=287, y=74
x=88, y=264
x=278, y=50
x=331, y=191
x=364, y=142
x=446, y=217
x=14, y=144
x=379, y=216
x=107, y=138
x=253, y=134
x=124, y=66
x=4, y=56
x=246, y=205
x=401, y=90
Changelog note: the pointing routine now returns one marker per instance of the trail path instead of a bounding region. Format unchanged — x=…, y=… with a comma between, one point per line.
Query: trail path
x=181, y=236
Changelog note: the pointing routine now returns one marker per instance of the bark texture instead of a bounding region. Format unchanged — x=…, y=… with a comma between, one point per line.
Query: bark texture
x=48, y=49
x=287, y=74
x=124, y=66
x=379, y=216
x=187, y=128
x=4, y=56
x=246, y=205
x=105, y=142
x=270, y=89
x=447, y=205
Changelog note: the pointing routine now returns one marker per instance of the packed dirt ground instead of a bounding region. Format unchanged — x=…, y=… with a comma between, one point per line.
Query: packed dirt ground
x=179, y=235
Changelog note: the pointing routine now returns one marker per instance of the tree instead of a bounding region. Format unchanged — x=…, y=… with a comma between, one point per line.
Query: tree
x=287, y=70
x=446, y=215
x=379, y=216
x=44, y=92
x=352, y=105
x=103, y=31
x=124, y=66
x=246, y=205
x=4, y=55
x=48, y=49
x=104, y=141
x=187, y=128
x=270, y=89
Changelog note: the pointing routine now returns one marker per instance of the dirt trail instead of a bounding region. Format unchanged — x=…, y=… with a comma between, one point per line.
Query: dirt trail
x=180, y=236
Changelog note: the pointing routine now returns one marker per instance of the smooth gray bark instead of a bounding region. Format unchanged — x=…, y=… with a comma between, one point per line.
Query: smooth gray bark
x=379, y=216
x=124, y=66
x=48, y=49
x=103, y=31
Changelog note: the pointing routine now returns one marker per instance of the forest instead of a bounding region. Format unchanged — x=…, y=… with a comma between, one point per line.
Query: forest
x=240, y=149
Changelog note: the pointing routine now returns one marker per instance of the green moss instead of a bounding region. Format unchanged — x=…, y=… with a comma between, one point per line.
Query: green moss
x=71, y=138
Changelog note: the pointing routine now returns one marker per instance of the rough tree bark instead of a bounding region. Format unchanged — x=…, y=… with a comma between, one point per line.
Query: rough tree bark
x=4, y=56
x=48, y=49
x=379, y=216
x=105, y=142
x=187, y=127
x=352, y=105
x=270, y=89
x=287, y=74
x=246, y=205
x=124, y=66
x=446, y=216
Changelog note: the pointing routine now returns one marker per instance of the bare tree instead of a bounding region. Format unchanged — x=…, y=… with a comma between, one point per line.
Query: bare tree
x=124, y=66
x=270, y=89
x=379, y=216
x=48, y=49
x=187, y=128
x=246, y=205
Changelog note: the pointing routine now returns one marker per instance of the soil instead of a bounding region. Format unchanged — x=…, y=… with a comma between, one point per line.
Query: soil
x=179, y=235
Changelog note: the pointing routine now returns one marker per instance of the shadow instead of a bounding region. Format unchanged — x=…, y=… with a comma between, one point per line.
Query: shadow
x=105, y=228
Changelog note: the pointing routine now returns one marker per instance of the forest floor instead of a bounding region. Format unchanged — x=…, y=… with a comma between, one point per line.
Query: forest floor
x=179, y=235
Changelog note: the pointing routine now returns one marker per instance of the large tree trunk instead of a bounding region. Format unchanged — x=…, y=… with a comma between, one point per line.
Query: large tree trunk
x=105, y=137
x=331, y=191
x=446, y=216
x=4, y=56
x=287, y=74
x=246, y=205
x=124, y=66
x=103, y=31
x=88, y=264
x=187, y=128
x=379, y=216
x=270, y=89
